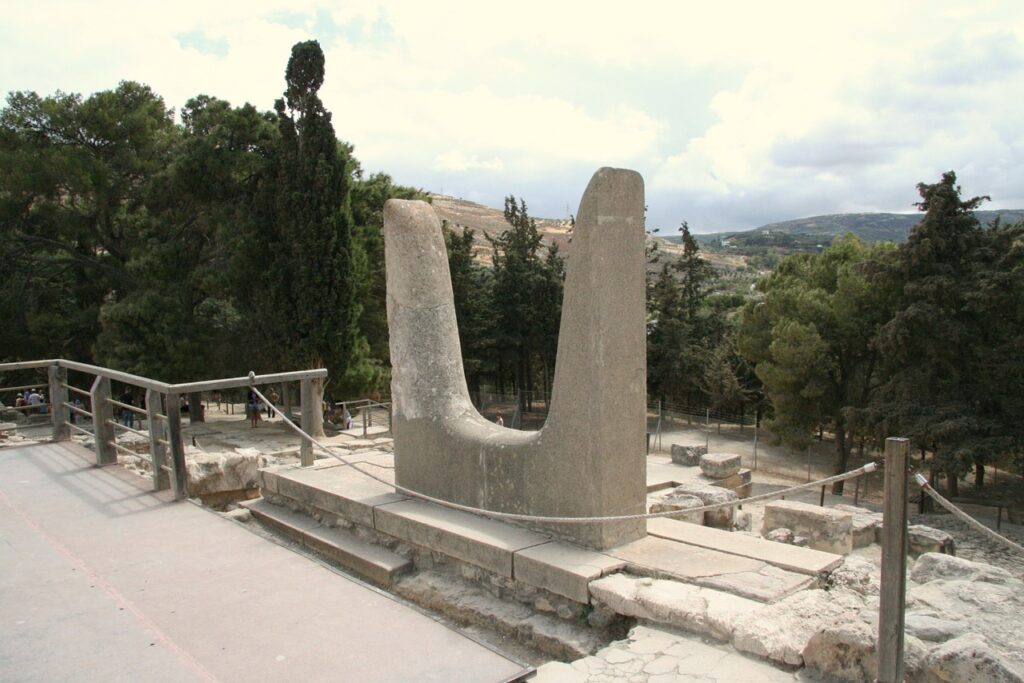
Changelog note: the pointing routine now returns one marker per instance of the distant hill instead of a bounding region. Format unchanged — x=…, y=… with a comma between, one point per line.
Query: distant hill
x=870, y=227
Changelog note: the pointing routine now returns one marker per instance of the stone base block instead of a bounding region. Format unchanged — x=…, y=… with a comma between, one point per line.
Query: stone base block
x=720, y=465
x=826, y=529
x=687, y=455
x=675, y=501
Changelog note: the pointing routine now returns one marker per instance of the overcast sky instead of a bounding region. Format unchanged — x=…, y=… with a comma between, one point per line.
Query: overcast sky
x=736, y=113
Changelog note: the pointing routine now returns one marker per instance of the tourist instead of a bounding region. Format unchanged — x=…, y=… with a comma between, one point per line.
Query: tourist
x=253, y=408
x=499, y=420
x=273, y=397
x=127, y=415
x=346, y=417
x=34, y=398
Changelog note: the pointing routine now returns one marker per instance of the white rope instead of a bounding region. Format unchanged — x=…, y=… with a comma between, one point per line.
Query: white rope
x=494, y=514
x=963, y=516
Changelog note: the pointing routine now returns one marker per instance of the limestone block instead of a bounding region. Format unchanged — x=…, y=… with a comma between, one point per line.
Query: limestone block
x=858, y=575
x=721, y=518
x=924, y=539
x=720, y=465
x=687, y=455
x=216, y=472
x=936, y=566
x=562, y=569
x=781, y=631
x=680, y=605
x=825, y=528
x=867, y=525
x=969, y=658
x=680, y=501
x=740, y=483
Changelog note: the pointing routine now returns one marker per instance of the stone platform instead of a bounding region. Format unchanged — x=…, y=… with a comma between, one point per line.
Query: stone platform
x=340, y=501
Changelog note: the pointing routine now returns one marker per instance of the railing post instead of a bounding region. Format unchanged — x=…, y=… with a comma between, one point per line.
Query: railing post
x=366, y=409
x=894, y=563
x=102, y=413
x=58, y=397
x=156, y=435
x=307, y=408
x=177, y=450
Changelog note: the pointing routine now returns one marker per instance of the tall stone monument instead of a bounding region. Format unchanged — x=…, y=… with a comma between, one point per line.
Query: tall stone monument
x=588, y=460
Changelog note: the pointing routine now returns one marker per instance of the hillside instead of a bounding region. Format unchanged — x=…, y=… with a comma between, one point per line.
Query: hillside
x=870, y=227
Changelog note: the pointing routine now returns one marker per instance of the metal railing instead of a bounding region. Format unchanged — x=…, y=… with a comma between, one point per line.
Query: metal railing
x=347, y=415
x=161, y=412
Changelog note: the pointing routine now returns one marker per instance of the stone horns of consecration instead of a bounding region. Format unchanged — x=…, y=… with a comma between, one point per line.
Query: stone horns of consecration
x=588, y=459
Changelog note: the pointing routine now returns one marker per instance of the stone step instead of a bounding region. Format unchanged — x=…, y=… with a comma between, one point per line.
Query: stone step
x=469, y=605
x=379, y=565
x=788, y=557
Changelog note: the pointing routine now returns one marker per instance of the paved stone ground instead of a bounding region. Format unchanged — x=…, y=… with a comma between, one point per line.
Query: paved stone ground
x=653, y=655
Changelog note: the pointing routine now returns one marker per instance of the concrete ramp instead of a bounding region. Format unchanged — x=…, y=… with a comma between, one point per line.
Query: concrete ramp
x=101, y=580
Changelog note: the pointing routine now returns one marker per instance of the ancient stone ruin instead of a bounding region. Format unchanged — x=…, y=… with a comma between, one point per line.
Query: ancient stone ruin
x=588, y=459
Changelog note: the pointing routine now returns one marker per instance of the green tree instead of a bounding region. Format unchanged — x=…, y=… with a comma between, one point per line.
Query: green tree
x=473, y=290
x=810, y=337
x=73, y=176
x=953, y=378
x=527, y=298
x=683, y=332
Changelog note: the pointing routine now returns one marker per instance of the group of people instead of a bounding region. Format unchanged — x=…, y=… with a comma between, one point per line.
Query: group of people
x=32, y=399
x=253, y=406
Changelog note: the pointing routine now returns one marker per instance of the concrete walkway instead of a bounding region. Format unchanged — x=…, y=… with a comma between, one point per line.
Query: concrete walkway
x=101, y=580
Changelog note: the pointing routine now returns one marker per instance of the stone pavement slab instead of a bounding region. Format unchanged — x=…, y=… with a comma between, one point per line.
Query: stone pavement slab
x=562, y=568
x=790, y=557
x=655, y=556
x=651, y=655
x=101, y=580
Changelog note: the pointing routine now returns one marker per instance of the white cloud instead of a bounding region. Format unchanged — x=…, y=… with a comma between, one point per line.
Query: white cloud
x=827, y=106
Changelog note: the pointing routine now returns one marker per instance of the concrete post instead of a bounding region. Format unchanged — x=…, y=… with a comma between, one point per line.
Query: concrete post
x=894, y=563
x=58, y=397
x=102, y=411
x=157, y=434
x=307, y=398
x=179, y=475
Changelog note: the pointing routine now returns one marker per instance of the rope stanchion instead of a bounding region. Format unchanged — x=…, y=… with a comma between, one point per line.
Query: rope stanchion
x=922, y=481
x=516, y=517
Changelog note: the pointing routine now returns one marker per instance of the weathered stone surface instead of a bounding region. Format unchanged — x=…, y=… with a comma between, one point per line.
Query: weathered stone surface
x=825, y=528
x=780, y=535
x=680, y=501
x=217, y=472
x=800, y=560
x=781, y=631
x=720, y=465
x=687, y=455
x=721, y=518
x=563, y=569
x=933, y=629
x=924, y=539
x=848, y=652
x=969, y=658
x=858, y=575
x=659, y=557
x=445, y=448
x=742, y=521
x=866, y=525
x=936, y=566
x=478, y=541
x=992, y=610
x=683, y=606
x=767, y=584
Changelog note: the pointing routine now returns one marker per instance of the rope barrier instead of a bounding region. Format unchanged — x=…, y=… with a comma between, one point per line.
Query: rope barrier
x=494, y=514
x=922, y=481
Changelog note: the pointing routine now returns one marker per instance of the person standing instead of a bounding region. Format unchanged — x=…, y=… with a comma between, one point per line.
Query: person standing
x=273, y=397
x=253, y=408
x=34, y=398
x=127, y=415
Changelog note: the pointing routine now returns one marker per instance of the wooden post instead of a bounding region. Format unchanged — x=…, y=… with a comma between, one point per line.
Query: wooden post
x=156, y=435
x=179, y=480
x=894, y=563
x=307, y=408
x=102, y=430
x=58, y=397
